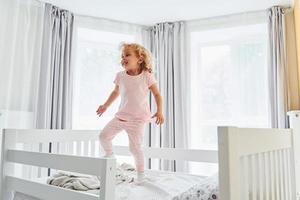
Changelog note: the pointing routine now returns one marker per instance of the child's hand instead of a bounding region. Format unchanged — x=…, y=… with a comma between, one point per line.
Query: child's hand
x=159, y=118
x=101, y=110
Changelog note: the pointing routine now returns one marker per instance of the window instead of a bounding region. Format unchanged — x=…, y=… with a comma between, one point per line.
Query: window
x=229, y=70
x=97, y=60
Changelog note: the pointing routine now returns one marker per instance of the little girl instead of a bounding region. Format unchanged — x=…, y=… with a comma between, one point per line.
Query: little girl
x=133, y=83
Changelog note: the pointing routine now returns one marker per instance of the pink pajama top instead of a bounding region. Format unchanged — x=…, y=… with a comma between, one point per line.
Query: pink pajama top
x=134, y=91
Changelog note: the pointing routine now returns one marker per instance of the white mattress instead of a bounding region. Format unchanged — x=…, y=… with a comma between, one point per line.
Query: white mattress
x=163, y=186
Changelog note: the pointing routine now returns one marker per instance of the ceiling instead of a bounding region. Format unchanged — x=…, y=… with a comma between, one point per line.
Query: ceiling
x=149, y=12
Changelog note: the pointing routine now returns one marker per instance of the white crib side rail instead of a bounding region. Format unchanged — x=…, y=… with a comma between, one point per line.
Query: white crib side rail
x=79, y=164
x=255, y=163
x=229, y=180
x=44, y=191
x=196, y=155
x=34, y=136
x=103, y=167
x=53, y=135
x=294, y=121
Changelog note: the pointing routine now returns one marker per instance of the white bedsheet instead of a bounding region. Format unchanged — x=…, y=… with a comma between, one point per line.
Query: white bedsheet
x=163, y=186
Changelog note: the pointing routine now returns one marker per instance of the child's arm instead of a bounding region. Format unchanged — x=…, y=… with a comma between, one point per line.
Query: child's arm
x=158, y=99
x=112, y=97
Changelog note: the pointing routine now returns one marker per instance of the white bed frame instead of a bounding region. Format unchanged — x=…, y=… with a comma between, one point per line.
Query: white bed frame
x=260, y=164
x=253, y=163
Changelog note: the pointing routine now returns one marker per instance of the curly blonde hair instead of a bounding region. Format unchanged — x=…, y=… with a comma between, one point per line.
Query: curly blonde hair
x=141, y=52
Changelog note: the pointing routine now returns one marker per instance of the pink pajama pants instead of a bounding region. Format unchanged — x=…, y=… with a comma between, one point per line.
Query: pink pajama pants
x=135, y=131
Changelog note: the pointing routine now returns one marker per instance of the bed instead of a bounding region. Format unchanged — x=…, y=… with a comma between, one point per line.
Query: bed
x=253, y=164
x=166, y=185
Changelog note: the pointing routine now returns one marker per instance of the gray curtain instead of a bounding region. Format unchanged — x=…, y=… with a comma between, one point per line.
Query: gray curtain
x=55, y=91
x=278, y=75
x=167, y=44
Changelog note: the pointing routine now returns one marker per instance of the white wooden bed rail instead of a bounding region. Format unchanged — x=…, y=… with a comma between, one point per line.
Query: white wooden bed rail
x=76, y=153
x=103, y=167
x=294, y=122
x=44, y=191
x=85, y=143
x=256, y=164
x=196, y=155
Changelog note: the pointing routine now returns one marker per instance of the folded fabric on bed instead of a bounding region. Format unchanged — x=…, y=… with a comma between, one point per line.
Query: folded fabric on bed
x=70, y=181
x=82, y=182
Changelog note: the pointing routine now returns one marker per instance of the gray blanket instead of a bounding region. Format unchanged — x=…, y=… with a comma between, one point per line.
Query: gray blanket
x=84, y=182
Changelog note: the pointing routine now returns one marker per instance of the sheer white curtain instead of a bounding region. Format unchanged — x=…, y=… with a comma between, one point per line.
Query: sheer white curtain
x=20, y=51
x=228, y=57
x=96, y=60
